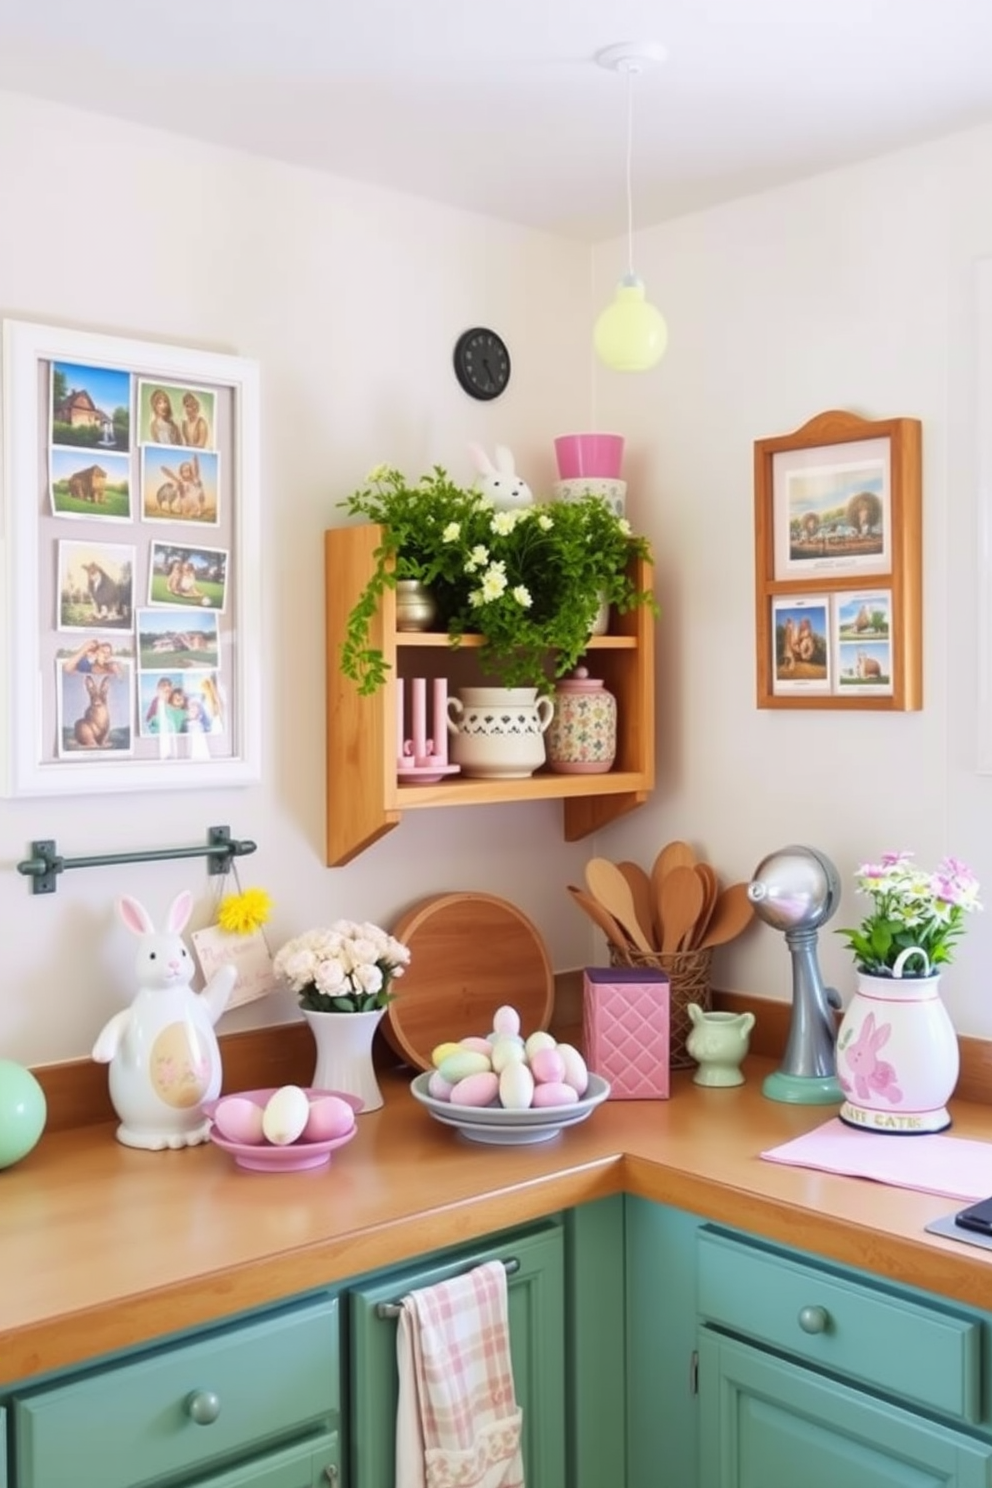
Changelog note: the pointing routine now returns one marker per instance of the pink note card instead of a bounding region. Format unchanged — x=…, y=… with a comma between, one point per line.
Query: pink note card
x=625, y=1030
x=956, y=1167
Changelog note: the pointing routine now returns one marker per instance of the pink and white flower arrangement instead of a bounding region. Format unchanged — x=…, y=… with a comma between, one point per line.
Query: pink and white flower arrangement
x=912, y=907
x=347, y=968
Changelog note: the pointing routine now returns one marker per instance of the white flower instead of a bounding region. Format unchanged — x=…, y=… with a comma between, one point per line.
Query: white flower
x=329, y=977
x=478, y=558
x=368, y=978
x=377, y=474
x=349, y=965
x=452, y=532
x=625, y=526
x=522, y=595
x=503, y=523
x=493, y=582
x=544, y=522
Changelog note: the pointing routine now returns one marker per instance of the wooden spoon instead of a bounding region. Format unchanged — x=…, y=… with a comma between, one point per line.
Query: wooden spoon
x=732, y=914
x=682, y=896
x=672, y=855
x=643, y=897
x=606, y=883
x=601, y=918
x=711, y=889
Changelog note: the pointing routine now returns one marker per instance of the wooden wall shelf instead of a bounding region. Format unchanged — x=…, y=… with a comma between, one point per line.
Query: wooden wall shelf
x=364, y=798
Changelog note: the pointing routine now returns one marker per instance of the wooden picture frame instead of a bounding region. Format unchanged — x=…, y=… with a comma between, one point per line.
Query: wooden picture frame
x=97, y=498
x=838, y=565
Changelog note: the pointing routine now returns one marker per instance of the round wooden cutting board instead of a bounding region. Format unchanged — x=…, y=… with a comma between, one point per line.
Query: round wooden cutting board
x=469, y=954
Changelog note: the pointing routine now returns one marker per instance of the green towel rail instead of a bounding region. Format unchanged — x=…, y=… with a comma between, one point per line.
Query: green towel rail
x=45, y=865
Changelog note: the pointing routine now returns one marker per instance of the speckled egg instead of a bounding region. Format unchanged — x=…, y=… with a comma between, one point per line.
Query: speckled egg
x=516, y=1087
x=547, y=1066
x=576, y=1070
x=239, y=1120
x=476, y=1090
x=285, y=1115
x=554, y=1095
x=329, y=1117
x=463, y=1063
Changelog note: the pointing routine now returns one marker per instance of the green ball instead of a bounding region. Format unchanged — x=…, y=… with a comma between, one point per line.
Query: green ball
x=22, y=1112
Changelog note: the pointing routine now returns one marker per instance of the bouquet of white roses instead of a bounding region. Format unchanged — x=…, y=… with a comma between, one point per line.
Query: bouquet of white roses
x=347, y=968
x=911, y=908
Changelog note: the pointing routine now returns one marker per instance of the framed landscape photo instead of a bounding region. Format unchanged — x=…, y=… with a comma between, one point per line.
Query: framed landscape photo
x=838, y=565
x=130, y=621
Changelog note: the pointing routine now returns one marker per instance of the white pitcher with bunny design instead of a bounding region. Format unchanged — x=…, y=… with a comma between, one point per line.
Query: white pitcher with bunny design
x=162, y=1050
x=897, y=1052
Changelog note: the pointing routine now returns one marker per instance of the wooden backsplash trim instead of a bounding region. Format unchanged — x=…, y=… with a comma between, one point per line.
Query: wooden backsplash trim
x=77, y=1094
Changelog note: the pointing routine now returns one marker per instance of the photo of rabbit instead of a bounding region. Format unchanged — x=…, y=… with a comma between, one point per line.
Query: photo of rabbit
x=180, y=489
x=94, y=710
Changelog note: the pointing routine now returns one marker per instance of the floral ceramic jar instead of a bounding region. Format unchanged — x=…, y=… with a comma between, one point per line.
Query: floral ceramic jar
x=582, y=739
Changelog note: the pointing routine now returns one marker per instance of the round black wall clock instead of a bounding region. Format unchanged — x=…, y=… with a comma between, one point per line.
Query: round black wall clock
x=482, y=363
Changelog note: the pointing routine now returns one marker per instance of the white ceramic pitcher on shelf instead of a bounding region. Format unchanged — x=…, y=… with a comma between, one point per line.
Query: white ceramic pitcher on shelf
x=897, y=1053
x=498, y=732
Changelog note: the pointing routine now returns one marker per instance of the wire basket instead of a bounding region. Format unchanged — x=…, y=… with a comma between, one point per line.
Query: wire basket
x=688, y=975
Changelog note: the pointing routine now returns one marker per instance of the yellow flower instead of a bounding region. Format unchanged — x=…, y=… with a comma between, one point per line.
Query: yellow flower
x=242, y=914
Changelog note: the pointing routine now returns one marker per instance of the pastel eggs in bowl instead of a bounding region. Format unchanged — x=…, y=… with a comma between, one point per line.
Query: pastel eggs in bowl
x=504, y=1088
x=284, y=1128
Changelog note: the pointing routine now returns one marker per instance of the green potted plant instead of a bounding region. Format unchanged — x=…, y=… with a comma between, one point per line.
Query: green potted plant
x=530, y=580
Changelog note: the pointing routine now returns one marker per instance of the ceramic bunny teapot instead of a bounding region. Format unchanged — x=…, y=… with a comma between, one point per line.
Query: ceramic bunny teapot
x=162, y=1050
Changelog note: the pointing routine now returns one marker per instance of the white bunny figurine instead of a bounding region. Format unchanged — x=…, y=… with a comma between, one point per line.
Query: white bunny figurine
x=500, y=482
x=162, y=1050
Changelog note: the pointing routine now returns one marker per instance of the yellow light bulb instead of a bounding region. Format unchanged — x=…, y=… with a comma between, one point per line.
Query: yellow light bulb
x=630, y=334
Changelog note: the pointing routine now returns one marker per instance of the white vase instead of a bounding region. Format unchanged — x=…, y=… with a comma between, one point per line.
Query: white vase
x=897, y=1055
x=344, y=1054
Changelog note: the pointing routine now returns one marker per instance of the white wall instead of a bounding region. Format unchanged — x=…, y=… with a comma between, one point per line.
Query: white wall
x=853, y=290
x=351, y=300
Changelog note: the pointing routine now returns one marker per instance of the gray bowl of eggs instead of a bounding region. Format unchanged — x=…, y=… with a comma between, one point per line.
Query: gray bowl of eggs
x=504, y=1089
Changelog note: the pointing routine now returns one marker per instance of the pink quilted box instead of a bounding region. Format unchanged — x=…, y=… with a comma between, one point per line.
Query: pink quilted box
x=625, y=1014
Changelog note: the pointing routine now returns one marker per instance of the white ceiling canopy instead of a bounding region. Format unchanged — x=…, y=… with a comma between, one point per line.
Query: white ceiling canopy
x=501, y=108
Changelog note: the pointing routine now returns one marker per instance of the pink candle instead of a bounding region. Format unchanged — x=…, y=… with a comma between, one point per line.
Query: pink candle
x=419, y=687
x=400, y=757
x=440, y=720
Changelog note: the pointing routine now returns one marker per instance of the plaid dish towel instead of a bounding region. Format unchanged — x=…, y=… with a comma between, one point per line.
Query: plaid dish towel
x=458, y=1424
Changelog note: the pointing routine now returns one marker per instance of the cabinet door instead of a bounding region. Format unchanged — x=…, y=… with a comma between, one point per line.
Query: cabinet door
x=298, y=1467
x=537, y=1347
x=766, y=1423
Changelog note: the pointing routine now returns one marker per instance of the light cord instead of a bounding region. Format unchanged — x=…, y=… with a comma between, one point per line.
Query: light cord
x=630, y=71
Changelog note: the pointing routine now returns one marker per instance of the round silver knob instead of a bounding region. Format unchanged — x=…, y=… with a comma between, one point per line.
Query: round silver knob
x=203, y=1407
x=814, y=1319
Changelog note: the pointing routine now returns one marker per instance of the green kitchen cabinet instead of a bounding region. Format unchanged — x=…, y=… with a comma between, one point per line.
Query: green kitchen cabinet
x=535, y=1261
x=765, y=1421
x=253, y=1404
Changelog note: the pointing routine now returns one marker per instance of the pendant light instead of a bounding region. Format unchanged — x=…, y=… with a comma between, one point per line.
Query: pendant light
x=630, y=335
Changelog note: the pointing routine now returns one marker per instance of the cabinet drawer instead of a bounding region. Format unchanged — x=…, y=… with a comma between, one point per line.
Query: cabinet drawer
x=130, y=1423
x=317, y=1465
x=923, y=1352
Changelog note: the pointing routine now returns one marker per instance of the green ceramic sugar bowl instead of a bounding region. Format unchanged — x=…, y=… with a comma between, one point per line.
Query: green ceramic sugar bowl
x=718, y=1043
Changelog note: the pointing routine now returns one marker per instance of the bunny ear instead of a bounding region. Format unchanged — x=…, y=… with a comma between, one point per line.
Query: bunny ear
x=135, y=916
x=482, y=460
x=179, y=911
x=881, y=1036
x=504, y=460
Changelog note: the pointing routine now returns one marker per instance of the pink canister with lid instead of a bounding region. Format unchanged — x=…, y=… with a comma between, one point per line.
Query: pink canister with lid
x=582, y=737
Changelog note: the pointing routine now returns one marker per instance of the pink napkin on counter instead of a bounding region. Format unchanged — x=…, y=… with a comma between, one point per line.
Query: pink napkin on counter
x=457, y=1418
x=952, y=1166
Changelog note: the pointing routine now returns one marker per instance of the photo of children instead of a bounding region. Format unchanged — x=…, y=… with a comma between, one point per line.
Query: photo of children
x=90, y=407
x=100, y=488
x=96, y=657
x=94, y=711
x=177, y=488
x=167, y=641
x=179, y=703
x=180, y=575
x=95, y=581
x=176, y=415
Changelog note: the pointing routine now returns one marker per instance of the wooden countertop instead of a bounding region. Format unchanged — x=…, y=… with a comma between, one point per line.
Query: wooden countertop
x=102, y=1247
